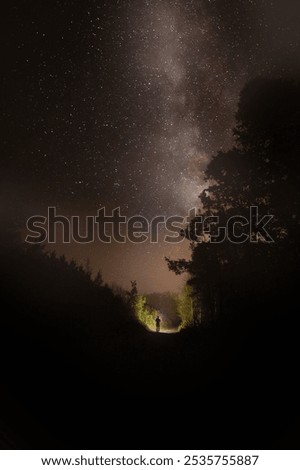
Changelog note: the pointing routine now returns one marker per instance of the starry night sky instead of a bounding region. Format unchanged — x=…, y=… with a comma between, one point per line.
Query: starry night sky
x=123, y=103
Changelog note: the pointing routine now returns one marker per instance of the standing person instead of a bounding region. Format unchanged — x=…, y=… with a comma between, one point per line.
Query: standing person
x=157, y=321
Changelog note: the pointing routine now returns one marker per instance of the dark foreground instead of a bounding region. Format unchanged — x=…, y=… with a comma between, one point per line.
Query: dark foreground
x=238, y=394
x=77, y=372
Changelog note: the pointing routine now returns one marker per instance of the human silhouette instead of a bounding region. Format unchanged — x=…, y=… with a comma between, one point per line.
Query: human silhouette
x=157, y=321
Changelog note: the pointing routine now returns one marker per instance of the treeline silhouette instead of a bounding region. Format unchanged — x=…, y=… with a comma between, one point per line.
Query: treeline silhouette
x=240, y=281
x=60, y=329
x=50, y=291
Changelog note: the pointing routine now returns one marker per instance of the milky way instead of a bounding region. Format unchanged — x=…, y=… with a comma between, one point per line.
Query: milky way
x=123, y=103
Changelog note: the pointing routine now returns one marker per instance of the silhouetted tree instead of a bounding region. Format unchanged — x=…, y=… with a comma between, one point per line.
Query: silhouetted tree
x=98, y=281
x=262, y=169
x=132, y=293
